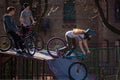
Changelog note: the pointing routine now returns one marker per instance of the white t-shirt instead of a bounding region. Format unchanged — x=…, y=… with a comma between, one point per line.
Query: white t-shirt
x=72, y=35
x=26, y=17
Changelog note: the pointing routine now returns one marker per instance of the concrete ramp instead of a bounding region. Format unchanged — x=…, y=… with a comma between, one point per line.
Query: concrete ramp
x=60, y=68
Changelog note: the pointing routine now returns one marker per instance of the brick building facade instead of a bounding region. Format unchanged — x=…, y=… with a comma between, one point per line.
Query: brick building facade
x=86, y=16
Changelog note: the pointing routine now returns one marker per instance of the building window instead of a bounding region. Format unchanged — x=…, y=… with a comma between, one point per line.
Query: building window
x=69, y=11
x=117, y=10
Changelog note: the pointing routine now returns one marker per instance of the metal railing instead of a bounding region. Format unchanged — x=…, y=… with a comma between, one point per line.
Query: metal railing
x=16, y=68
x=104, y=63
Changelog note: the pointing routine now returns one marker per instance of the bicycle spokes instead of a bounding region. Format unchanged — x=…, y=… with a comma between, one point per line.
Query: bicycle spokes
x=77, y=71
x=53, y=47
x=5, y=43
x=31, y=47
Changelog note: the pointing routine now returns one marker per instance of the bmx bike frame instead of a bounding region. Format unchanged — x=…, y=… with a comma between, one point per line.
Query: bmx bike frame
x=77, y=54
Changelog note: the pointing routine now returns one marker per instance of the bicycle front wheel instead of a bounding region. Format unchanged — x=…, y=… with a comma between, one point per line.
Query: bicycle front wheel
x=39, y=42
x=5, y=43
x=54, y=45
x=30, y=45
x=77, y=71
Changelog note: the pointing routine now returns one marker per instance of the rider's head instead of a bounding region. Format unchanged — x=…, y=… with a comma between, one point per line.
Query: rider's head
x=89, y=33
x=26, y=6
x=11, y=10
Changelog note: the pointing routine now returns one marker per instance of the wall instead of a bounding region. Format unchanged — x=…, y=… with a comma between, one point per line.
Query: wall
x=2, y=10
x=87, y=16
x=105, y=33
x=84, y=11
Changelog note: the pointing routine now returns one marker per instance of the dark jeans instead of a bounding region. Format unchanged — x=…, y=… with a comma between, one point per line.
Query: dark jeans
x=24, y=31
x=17, y=40
x=71, y=44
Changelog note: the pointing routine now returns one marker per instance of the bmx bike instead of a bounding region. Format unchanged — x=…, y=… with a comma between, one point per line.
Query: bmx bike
x=38, y=40
x=32, y=41
x=7, y=43
x=76, y=69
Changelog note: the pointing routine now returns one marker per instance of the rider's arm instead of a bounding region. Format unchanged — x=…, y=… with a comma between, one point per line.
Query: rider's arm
x=10, y=26
x=81, y=46
x=31, y=17
x=86, y=45
x=33, y=21
x=22, y=19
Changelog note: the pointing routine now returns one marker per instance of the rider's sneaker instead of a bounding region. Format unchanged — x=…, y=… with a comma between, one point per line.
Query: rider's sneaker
x=18, y=52
x=24, y=51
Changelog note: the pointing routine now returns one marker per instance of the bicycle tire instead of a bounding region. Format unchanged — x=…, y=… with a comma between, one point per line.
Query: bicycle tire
x=30, y=46
x=72, y=66
x=50, y=50
x=39, y=42
x=5, y=42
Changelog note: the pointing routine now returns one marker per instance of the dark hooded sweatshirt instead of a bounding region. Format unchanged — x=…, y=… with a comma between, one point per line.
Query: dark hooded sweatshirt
x=9, y=23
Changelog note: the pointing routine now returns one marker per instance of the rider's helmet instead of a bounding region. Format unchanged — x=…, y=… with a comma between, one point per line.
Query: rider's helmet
x=89, y=33
x=26, y=5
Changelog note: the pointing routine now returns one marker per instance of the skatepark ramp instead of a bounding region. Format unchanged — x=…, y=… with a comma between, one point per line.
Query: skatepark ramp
x=41, y=66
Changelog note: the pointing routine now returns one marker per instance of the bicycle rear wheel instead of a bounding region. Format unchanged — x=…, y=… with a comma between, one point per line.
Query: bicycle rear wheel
x=5, y=43
x=54, y=45
x=30, y=45
x=77, y=71
x=39, y=42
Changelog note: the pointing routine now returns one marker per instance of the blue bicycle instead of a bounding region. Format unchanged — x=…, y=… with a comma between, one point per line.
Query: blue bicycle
x=77, y=70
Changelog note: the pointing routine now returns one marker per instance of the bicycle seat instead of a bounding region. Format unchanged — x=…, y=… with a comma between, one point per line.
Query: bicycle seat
x=29, y=28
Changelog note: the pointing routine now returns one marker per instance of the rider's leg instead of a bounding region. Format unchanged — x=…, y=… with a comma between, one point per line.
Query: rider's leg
x=65, y=48
x=24, y=31
x=22, y=47
x=72, y=45
x=17, y=40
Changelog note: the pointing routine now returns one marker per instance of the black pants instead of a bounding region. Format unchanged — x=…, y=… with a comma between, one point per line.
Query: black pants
x=24, y=31
x=17, y=40
x=71, y=44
